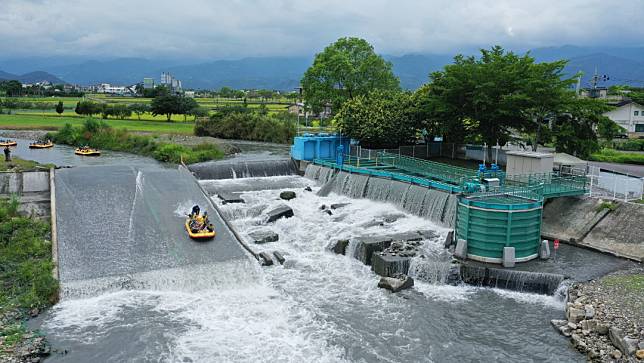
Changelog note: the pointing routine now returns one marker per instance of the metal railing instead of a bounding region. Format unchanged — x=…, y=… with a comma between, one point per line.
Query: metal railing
x=607, y=185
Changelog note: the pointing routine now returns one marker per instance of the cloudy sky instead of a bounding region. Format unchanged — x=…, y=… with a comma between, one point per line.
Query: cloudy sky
x=201, y=29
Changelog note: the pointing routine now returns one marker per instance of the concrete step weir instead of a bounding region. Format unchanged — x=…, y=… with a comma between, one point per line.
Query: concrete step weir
x=120, y=227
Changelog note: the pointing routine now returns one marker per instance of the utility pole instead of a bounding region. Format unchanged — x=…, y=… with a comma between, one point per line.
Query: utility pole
x=596, y=78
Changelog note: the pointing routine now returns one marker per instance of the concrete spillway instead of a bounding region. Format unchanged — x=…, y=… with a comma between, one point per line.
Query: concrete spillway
x=116, y=221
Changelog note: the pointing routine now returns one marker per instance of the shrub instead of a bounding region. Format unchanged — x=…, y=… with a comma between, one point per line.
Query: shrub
x=246, y=126
x=100, y=135
x=613, y=156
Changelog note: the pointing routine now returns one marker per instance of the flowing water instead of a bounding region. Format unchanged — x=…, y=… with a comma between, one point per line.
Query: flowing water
x=431, y=322
x=318, y=306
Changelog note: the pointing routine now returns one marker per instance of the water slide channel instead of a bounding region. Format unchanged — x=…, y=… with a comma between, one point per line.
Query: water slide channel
x=136, y=289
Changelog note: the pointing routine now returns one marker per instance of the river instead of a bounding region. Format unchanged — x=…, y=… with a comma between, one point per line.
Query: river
x=318, y=306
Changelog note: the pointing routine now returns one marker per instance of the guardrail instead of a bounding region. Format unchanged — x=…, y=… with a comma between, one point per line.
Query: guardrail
x=364, y=170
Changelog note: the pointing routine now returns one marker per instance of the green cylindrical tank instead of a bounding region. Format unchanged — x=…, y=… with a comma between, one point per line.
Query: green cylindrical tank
x=490, y=223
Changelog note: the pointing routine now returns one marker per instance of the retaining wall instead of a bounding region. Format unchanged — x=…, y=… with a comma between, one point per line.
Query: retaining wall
x=582, y=221
x=33, y=189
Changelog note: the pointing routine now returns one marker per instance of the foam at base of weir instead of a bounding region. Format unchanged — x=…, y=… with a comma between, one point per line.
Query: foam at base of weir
x=221, y=275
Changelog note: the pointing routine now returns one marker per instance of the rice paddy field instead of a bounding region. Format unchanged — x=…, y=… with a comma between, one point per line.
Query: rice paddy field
x=54, y=122
x=273, y=106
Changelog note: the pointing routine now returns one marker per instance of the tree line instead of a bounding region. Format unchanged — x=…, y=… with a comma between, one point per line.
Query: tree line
x=496, y=97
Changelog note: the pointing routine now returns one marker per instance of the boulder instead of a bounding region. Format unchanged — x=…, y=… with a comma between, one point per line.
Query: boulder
x=557, y=323
x=265, y=259
x=230, y=198
x=575, y=315
x=287, y=195
x=340, y=246
x=263, y=236
x=589, y=311
x=283, y=211
x=308, y=189
x=624, y=344
x=589, y=325
x=339, y=205
x=395, y=284
x=279, y=257
x=640, y=354
x=602, y=329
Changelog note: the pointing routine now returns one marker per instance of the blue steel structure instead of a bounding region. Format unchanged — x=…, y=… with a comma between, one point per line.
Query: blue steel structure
x=490, y=215
x=318, y=146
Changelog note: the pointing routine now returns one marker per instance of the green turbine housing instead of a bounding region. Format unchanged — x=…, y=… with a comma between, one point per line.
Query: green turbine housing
x=490, y=223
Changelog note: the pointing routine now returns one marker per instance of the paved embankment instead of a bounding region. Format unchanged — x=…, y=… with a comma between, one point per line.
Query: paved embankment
x=121, y=221
x=616, y=229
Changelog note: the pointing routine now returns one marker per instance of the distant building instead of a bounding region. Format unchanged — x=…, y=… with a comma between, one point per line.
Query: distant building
x=629, y=115
x=112, y=90
x=190, y=94
x=173, y=84
x=148, y=83
x=597, y=92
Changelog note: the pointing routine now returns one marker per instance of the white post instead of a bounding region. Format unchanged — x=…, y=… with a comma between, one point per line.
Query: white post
x=615, y=187
x=591, y=185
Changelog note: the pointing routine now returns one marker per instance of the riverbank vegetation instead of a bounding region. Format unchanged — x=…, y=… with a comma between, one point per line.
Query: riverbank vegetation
x=99, y=134
x=19, y=165
x=242, y=123
x=614, y=156
x=28, y=285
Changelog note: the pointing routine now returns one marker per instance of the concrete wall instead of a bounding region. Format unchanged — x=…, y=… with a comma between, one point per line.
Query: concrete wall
x=582, y=221
x=26, y=182
x=33, y=189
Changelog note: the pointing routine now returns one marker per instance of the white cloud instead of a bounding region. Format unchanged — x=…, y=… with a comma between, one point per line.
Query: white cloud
x=235, y=28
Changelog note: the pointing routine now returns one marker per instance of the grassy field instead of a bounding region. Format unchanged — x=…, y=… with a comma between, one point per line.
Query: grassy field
x=40, y=122
x=17, y=164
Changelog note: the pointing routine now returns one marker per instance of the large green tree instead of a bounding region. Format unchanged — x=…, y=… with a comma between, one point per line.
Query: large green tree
x=546, y=93
x=165, y=104
x=345, y=70
x=574, y=130
x=486, y=92
x=378, y=119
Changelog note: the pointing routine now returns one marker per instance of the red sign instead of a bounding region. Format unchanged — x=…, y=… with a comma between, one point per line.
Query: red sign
x=556, y=244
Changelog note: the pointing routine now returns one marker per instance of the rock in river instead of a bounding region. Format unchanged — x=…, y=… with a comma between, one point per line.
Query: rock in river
x=263, y=236
x=287, y=195
x=395, y=284
x=283, y=211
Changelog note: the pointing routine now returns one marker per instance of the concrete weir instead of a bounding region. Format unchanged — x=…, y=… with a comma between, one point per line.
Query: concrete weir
x=121, y=220
x=524, y=281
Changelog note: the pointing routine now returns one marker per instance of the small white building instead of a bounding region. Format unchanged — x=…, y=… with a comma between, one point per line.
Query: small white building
x=528, y=162
x=629, y=115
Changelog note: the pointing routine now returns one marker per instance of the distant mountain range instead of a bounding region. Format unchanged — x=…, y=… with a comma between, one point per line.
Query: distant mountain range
x=622, y=65
x=31, y=77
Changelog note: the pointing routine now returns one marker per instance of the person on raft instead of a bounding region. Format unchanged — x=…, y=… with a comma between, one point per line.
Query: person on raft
x=199, y=222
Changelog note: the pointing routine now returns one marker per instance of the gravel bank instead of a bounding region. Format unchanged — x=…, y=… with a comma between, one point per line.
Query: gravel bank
x=605, y=317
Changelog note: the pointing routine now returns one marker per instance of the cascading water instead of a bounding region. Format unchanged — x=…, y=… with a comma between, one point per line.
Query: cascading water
x=243, y=169
x=435, y=322
x=437, y=206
